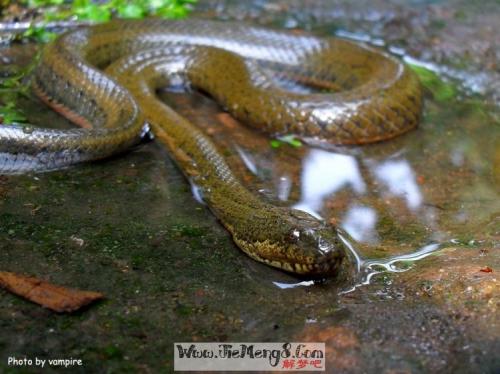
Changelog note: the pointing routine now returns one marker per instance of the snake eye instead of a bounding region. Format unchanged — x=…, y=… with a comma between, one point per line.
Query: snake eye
x=294, y=235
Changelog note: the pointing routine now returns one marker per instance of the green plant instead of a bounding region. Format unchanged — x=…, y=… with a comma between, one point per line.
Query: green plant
x=286, y=139
x=81, y=10
x=441, y=90
x=101, y=11
x=11, y=88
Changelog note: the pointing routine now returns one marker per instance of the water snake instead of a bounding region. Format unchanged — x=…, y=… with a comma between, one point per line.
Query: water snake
x=104, y=79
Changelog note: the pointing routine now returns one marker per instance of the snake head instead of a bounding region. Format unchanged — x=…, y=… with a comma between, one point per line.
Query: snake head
x=296, y=242
x=313, y=248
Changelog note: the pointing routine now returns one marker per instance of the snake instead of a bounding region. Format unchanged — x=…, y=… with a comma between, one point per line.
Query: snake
x=104, y=78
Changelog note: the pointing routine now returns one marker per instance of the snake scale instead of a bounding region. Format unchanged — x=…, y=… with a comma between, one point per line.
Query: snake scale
x=104, y=79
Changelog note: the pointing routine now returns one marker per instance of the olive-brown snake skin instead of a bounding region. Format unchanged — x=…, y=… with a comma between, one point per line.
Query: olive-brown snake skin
x=104, y=79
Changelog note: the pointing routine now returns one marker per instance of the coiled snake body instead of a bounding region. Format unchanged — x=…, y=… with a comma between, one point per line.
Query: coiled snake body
x=104, y=78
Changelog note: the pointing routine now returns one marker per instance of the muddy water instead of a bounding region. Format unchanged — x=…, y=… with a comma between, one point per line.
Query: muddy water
x=422, y=212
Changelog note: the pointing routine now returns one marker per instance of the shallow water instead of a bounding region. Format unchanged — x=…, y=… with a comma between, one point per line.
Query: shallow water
x=422, y=213
x=393, y=198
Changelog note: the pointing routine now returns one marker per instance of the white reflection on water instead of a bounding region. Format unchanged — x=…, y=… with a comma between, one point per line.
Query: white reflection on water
x=197, y=192
x=247, y=159
x=399, y=178
x=325, y=173
x=284, y=187
x=368, y=268
x=284, y=286
x=360, y=222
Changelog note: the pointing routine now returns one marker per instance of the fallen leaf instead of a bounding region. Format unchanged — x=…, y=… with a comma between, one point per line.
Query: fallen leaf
x=487, y=269
x=57, y=298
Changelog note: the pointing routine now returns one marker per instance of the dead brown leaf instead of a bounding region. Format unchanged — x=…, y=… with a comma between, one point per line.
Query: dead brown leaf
x=486, y=269
x=57, y=298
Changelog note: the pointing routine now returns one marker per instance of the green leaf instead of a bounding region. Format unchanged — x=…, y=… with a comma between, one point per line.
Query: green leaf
x=80, y=4
x=41, y=3
x=57, y=15
x=102, y=11
x=291, y=140
x=286, y=139
x=93, y=12
x=441, y=90
x=39, y=34
x=156, y=4
x=131, y=11
x=275, y=143
x=9, y=114
x=172, y=12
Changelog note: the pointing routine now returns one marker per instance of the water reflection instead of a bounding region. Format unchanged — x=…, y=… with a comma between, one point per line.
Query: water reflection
x=284, y=187
x=284, y=286
x=323, y=174
x=377, y=189
x=400, y=180
x=360, y=222
x=247, y=159
x=196, y=191
x=368, y=268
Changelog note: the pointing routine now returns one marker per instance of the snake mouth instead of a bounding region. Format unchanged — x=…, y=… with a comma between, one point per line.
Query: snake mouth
x=320, y=266
x=326, y=268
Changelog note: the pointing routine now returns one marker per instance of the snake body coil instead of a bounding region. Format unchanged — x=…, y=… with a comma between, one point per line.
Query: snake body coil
x=104, y=79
